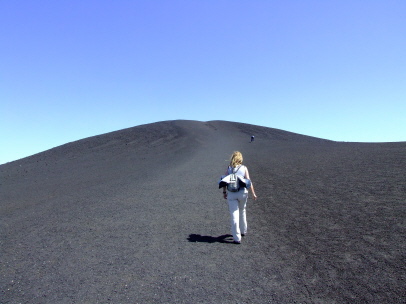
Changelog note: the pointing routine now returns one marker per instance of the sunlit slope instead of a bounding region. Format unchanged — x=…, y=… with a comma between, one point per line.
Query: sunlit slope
x=109, y=218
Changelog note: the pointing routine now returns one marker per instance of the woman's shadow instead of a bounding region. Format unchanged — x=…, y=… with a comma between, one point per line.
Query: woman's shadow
x=210, y=239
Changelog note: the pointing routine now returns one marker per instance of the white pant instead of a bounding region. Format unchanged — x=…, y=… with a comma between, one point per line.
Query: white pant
x=237, y=202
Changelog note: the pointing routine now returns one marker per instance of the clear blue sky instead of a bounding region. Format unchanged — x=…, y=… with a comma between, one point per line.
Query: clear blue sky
x=73, y=69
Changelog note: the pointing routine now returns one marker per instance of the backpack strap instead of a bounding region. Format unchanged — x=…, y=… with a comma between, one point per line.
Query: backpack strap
x=235, y=168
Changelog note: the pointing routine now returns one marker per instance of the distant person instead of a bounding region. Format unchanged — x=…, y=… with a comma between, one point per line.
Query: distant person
x=252, y=138
x=237, y=201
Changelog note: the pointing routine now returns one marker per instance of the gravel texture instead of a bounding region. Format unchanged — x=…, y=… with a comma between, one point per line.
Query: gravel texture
x=136, y=216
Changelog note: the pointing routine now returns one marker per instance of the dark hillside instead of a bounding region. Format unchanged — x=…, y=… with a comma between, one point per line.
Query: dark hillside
x=135, y=216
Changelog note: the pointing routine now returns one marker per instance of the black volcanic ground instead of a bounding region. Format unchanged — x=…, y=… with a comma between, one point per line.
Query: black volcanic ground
x=136, y=216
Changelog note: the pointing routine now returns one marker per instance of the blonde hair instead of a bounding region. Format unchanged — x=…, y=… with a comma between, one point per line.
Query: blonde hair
x=236, y=159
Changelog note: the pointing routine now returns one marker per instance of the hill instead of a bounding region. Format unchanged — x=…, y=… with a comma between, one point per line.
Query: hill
x=135, y=216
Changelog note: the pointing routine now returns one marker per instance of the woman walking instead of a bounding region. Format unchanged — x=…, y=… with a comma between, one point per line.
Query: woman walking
x=237, y=201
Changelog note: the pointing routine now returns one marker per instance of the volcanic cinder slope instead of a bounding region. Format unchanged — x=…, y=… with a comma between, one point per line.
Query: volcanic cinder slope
x=136, y=216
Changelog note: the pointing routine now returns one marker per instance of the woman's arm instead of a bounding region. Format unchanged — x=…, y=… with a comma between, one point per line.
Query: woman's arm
x=253, y=192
